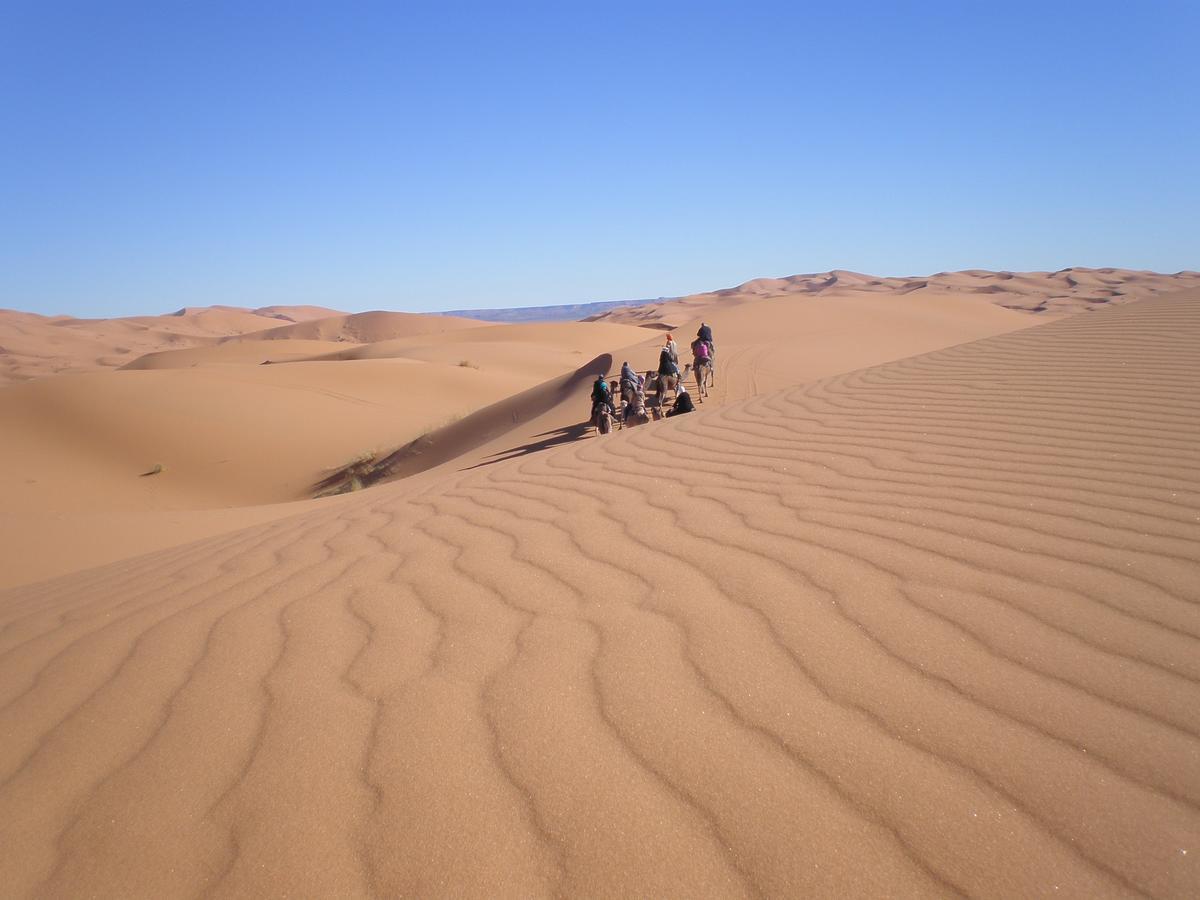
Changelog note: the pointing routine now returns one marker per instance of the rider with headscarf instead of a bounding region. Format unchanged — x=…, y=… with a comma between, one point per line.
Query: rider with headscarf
x=673, y=348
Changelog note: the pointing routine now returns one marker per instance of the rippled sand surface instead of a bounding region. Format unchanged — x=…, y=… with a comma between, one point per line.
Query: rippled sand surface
x=927, y=628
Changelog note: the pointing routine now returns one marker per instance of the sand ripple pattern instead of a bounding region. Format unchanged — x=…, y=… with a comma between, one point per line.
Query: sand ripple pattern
x=931, y=628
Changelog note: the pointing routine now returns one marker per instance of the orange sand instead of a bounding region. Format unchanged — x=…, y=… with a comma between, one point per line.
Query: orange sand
x=911, y=606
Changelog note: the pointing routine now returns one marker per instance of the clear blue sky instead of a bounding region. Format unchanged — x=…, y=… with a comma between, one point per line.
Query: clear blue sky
x=435, y=155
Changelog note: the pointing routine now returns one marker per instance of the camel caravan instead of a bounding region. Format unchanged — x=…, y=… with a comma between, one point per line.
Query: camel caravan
x=644, y=397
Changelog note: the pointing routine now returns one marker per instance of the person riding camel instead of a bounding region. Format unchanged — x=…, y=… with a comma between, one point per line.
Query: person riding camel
x=672, y=348
x=602, y=393
x=630, y=385
x=628, y=376
x=633, y=399
x=666, y=365
x=704, y=333
x=683, y=403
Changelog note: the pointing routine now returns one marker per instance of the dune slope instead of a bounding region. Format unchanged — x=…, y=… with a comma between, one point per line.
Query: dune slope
x=229, y=432
x=927, y=628
x=764, y=344
x=224, y=435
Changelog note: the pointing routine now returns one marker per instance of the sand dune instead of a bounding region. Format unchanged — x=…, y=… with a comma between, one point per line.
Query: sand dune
x=77, y=448
x=230, y=432
x=926, y=628
x=764, y=344
x=242, y=352
x=33, y=346
x=366, y=327
x=296, y=313
x=215, y=321
x=1066, y=291
x=544, y=349
x=774, y=341
x=226, y=435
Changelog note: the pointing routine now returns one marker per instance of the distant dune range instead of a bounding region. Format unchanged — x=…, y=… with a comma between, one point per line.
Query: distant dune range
x=568, y=312
x=34, y=346
x=927, y=626
x=1065, y=291
x=911, y=606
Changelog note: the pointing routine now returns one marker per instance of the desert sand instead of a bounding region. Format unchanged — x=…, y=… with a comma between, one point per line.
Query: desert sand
x=35, y=346
x=910, y=606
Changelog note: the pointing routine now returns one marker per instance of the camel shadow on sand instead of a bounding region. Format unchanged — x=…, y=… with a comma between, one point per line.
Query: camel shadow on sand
x=542, y=441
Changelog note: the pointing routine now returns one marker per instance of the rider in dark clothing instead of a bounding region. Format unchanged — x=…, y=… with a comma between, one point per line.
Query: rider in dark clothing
x=683, y=404
x=602, y=394
x=666, y=365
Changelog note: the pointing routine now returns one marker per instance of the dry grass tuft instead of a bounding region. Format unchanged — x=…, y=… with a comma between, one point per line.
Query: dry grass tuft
x=371, y=467
x=351, y=476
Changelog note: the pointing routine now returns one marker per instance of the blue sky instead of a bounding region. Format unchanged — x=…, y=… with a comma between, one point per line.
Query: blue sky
x=429, y=156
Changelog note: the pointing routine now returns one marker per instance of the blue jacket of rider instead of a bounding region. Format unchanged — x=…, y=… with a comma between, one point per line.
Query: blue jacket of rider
x=600, y=391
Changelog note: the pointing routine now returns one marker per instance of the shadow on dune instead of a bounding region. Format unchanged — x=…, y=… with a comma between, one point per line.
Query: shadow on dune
x=548, y=439
x=472, y=432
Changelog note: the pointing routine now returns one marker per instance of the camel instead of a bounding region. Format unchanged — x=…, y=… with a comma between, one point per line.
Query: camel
x=602, y=419
x=660, y=384
x=704, y=377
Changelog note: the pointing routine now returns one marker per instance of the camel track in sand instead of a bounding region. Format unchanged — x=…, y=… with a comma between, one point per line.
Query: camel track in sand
x=927, y=628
